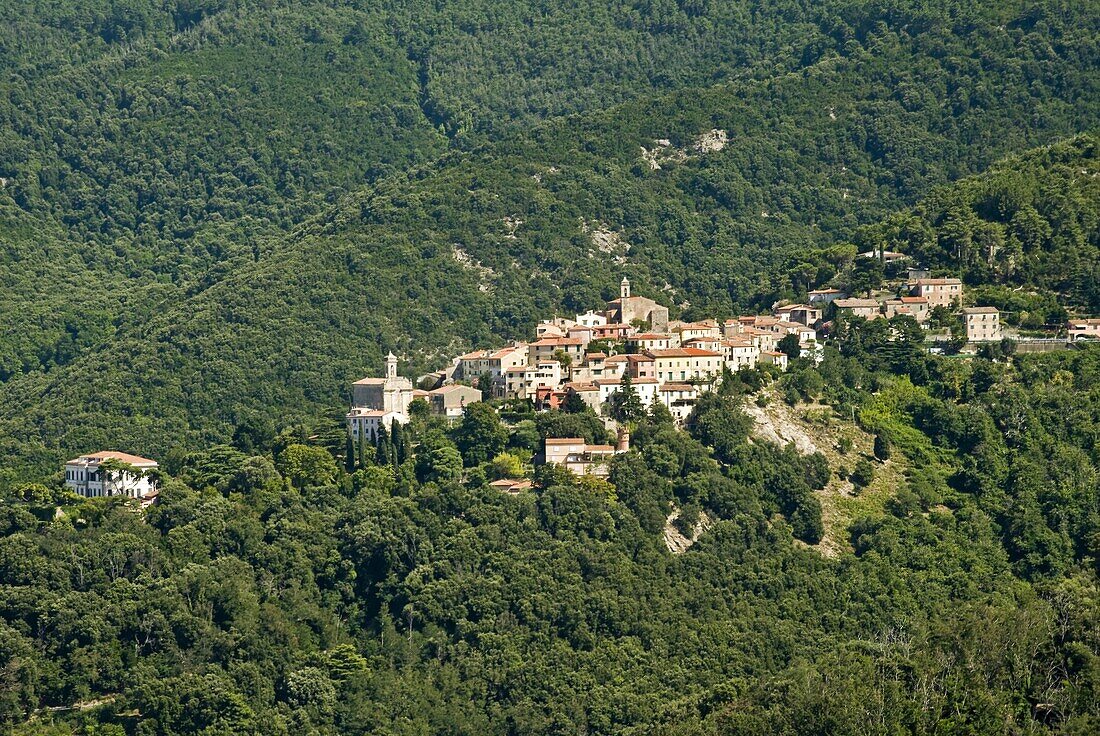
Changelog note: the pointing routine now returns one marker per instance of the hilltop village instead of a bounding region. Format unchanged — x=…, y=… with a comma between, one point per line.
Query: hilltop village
x=632, y=347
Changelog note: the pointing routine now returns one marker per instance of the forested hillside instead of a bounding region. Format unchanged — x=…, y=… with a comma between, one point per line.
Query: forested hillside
x=1031, y=221
x=270, y=591
x=216, y=214
x=172, y=324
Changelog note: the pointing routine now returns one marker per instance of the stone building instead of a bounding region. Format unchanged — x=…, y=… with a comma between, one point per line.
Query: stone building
x=629, y=309
x=983, y=324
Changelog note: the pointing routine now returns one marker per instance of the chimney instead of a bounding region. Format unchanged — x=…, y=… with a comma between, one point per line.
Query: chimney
x=624, y=440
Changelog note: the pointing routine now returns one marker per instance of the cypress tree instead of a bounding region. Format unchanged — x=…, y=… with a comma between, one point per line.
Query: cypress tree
x=400, y=444
x=384, y=452
x=349, y=454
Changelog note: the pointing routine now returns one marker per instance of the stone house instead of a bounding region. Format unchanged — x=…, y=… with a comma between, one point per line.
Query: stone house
x=865, y=308
x=686, y=364
x=983, y=324
x=451, y=401
x=1083, y=329
x=945, y=292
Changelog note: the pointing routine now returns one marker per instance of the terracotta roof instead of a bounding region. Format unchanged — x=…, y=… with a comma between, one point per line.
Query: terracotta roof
x=855, y=303
x=677, y=387
x=452, y=387
x=825, y=291
x=683, y=353
x=915, y=299
x=651, y=336
x=581, y=386
x=369, y=381
x=505, y=352
x=125, y=457
x=565, y=440
x=357, y=412
x=590, y=356
x=616, y=381
x=981, y=310
x=552, y=341
x=937, y=282
x=519, y=483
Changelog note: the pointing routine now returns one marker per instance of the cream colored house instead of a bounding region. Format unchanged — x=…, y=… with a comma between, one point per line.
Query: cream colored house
x=451, y=401
x=492, y=362
x=523, y=382
x=578, y=456
x=1083, y=329
x=646, y=388
x=762, y=339
x=804, y=314
x=679, y=398
x=773, y=357
x=740, y=354
x=588, y=392
x=686, y=364
x=946, y=292
x=983, y=324
x=652, y=341
x=865, y=308
x=545, y=349
x=693, y=330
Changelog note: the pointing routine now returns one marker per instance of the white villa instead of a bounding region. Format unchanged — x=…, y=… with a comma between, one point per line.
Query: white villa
x=130, y=476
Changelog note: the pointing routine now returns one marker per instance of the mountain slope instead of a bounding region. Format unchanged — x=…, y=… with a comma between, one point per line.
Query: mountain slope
x=810, y=157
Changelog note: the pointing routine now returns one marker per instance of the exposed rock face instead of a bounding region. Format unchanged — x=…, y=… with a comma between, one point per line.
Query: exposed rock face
x=485, y=273
x=676, y=542
x=664, y=153
x=711, y=142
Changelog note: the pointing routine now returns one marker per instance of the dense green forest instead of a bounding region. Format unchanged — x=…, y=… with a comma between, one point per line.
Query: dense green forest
x=283, y=587
x=174, y=198
x=215, y=214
